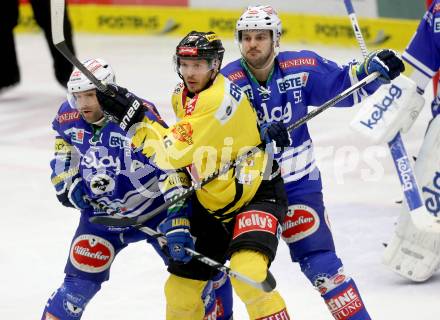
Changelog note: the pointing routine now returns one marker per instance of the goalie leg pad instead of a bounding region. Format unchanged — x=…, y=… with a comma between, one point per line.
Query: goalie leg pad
x=183, y=298
x=427, y=168
x=412, y=253
x=325, y=271
x=259, y=304
x=69, y=301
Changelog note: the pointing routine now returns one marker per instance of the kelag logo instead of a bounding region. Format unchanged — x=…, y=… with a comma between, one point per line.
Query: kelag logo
x=393, y=93
x=432, y=202
x=403, y=168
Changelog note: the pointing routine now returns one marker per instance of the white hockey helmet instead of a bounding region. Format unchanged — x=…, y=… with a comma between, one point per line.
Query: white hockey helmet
x=260, y=18
x=78, y=82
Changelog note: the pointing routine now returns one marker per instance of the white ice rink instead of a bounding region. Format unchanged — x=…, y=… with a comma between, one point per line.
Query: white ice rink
x=35, y=230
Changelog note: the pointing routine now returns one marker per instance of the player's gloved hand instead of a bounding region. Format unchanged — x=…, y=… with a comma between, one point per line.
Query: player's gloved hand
x=74, y=196
x=385, y=61
x=176, y=228
x=275, y=131
x=435, y=106
x=123, y=108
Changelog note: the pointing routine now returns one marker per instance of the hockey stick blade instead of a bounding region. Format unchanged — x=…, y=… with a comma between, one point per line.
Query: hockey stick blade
x=118, y=221
x=266, y=285
x=57, y=8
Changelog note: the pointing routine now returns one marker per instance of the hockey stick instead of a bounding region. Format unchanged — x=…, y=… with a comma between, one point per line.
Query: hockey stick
x=266, y=285
x=57, y=8
x=117, y=221
x=420, y=216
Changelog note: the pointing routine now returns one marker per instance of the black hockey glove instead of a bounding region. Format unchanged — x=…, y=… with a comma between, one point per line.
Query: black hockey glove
x=123, y=108
x=385, y=61
x=275, y=131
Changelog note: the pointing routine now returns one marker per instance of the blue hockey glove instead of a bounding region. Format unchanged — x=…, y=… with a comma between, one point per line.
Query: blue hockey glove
x=275, y=131
x=77, y=195
x=176, y=228
x=435, y=106
x=73, y=197
x=124, y=108
x=385, y=61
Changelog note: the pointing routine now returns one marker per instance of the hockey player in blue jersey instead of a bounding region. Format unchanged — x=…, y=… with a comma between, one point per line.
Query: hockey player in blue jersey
x=280, y=86
x=95, y=166
x=413, y=253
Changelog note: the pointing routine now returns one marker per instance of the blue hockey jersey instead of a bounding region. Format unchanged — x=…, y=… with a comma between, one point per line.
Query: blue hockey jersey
x=113, y=173
x=298, y=80
x=423, y=51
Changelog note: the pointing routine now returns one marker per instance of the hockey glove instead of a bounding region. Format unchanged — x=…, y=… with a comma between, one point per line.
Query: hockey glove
x=74, y=196
x=435, y=106
x=176, y=228
x=385, y=61
x=123, y=108
x=275, y=131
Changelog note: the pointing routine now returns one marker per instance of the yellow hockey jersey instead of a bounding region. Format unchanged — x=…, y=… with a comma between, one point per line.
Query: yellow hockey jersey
x=213, y=128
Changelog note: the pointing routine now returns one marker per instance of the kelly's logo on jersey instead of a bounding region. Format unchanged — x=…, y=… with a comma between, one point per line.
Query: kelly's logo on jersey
x=255, y=221
x=292, y=82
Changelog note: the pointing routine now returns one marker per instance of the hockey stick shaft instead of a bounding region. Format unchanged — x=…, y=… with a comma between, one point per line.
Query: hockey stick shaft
x=266, y=285
x=57, y=12
x=407, y=178
x=118, y=221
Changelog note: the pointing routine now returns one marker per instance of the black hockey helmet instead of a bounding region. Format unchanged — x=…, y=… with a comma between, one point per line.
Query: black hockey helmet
x=200, y=45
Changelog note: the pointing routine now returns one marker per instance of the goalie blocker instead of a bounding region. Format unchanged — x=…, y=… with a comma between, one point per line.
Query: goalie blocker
x=392, y=108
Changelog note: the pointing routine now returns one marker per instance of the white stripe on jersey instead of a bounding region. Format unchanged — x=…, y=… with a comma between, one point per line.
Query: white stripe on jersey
x=297, y=162
x=416, y=63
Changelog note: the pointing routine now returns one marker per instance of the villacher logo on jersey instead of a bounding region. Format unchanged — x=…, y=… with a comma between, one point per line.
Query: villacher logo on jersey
x=91, y=253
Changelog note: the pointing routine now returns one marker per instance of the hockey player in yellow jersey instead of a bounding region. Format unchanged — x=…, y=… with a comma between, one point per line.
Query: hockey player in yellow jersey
x=237, y=215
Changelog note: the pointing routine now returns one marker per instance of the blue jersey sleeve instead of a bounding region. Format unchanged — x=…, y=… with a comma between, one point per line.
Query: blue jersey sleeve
x=423, y=51
x=64, y=165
